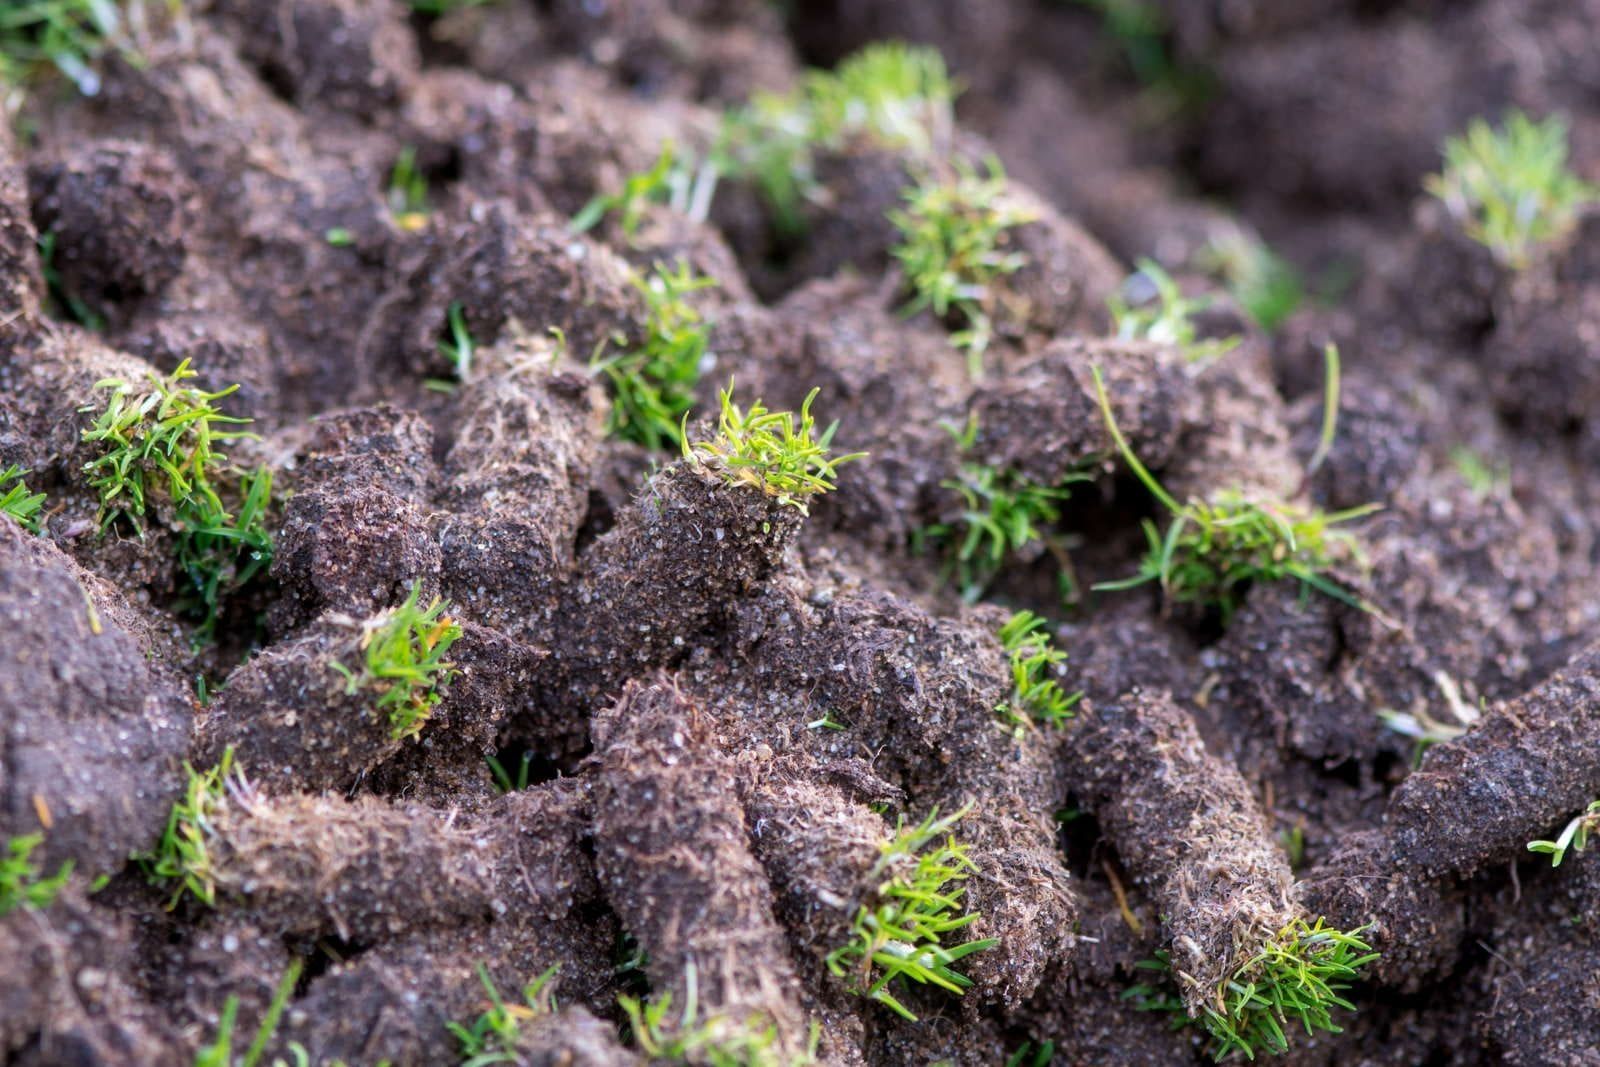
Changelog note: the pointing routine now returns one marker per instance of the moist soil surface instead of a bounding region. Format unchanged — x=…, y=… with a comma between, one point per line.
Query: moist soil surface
x=685, y=715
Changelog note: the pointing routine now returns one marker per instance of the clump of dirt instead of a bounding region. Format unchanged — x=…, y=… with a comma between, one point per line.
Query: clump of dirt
x=373, y=653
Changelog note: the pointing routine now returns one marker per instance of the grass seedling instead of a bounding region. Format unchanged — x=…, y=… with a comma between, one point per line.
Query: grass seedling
x=1482, y=477
x=444, y=7
x=182, y=855
x=16, y=503
x=1424, y=727
x=773, y=451
x=1575, y=836
x=403, y=662
x=66, y=34
x=1214, y=550
x=715, y=1041
x=408, y=192
x=63, y=303
x=161, y=442
x=952, y=248
x=458, y=346
x=1003, y=515
x=674, y=180
x=220, y=1052
x=899, y=934
x=222, y=553
x=1510, y=187
x=21, y=883
x=653, y=385
x=162, y=446
x=492, y=1037
x=1266, y=286
x=504, y=781
x=1029, y=1055
x=1036, y=696
x=1296, y=979
x=890, y=94
x=1165, y=316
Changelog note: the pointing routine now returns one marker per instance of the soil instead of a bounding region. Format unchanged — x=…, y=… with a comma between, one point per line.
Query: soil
x=711, y=709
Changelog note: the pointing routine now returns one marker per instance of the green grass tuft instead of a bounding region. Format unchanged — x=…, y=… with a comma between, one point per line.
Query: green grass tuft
x=16, y=503
x=69, y=35
x=492, y=1037
x=1168, y=318
x=159, y=442
x=1214, y=550
x=407, y=194
x=161, y=446
x=220, y=1052
x=182, y=855
x=403, y=662
x=61, y=302
x=715, y=1041
x=222, y=553
x=890, y=94
x=773, y=451
x=1036, y=696
x=1510, y=187
x=1003, y=515
x=1265, y=284
x=952, y=248
x=458, y=345
x=675, y=180
x=1574, y=836
x=899, y=934
x=1296, y=979
x=22, y=885
x=653, y=385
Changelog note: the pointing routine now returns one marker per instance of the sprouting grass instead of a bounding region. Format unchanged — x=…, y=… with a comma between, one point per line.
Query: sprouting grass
x=22, y=884
x=408, y=192
x=653, y=385
x=459, y=346
x=504, y=780
x=16, y=503
x=222, y=553
x=182, y=855
x=773, y=451
x=1510, y=187
x=69, y=35
x=1574, y=836
x=1140, y=27
x=444, y=7
x=669, y=1037
x=1266, y=286
x=1483, y=478
x=1168, y=318
x=953, y=249
x=1030, y=1055
x=492, y=1037
x=403, y=662
x=63, y=302
x=162, y=441
x=890, y=94
x=1297, y=979
x=675, y=179
x=1003, y=514
x=629, y=202
x=220, y=1052
x=1036, y=696
x=900, y=933
x=164, y=445
x=1214, y=550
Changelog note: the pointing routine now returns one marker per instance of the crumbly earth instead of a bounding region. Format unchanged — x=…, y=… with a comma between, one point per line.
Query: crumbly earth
x=687, y=717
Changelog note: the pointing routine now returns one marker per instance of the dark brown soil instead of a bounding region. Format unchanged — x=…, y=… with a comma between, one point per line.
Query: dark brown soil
x=714, y=710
